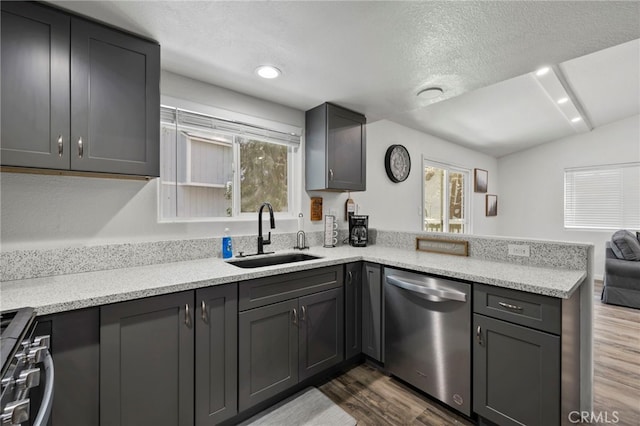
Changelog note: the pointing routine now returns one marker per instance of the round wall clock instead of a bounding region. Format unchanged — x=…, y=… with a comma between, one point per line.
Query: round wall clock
x=397, y=163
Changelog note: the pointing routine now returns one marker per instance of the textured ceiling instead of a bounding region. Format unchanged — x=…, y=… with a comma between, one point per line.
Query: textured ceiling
x=371, y=56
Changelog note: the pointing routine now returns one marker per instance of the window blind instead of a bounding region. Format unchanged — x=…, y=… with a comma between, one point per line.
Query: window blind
x=197, y=121
x=603, y=197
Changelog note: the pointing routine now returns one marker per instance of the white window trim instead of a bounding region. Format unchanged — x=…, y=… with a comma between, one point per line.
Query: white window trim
x=294, y=163
x=468, y=224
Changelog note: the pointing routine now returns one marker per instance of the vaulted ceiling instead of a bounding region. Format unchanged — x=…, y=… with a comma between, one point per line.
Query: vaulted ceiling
x=375, y=56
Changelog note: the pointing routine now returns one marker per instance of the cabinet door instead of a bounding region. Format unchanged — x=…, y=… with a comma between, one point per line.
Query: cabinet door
x=35, y=86
x=372, y=311
x=346, y=145
x=267, y=351
x=146, y=362
x=353, y=309
x=115, y=101
x=321, y=343
x=216, y=354
x=516, y=373
x=75, y=348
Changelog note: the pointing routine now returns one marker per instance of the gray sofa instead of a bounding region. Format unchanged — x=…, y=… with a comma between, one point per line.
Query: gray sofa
x=621, y=280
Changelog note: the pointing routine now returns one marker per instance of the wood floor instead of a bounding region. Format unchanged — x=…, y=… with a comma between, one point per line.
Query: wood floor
x=375, y=399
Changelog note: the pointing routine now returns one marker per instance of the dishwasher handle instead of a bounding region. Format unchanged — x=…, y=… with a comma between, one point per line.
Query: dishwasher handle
x=429, y=293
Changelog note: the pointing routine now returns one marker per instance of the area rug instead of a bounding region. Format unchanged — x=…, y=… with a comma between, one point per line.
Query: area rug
x=309, y=407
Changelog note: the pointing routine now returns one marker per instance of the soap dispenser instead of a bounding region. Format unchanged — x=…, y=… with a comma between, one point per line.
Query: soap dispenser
x=227, y=246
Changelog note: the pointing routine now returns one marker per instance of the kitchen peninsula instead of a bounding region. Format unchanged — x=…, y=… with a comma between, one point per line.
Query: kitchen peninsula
x=560, y=272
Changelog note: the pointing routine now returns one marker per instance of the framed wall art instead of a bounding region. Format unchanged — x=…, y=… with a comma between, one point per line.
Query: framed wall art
x=480, y=180
x=492, y=205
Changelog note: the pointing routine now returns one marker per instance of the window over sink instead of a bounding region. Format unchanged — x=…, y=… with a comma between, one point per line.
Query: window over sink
x=213, y=168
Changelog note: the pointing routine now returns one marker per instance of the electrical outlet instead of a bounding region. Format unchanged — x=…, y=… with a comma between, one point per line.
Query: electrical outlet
x=519, y=250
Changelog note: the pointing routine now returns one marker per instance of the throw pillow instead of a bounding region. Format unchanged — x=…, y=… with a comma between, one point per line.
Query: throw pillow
x=625, y=245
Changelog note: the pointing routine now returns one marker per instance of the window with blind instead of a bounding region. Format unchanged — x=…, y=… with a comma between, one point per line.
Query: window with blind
x=603, y=197
x=215, y=168
x=445, y=191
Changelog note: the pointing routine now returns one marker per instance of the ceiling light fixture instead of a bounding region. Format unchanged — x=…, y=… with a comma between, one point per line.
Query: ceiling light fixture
x=430, y=92
x=542, y=71
x=563, y=100
x=576, y=119
x=268, y=71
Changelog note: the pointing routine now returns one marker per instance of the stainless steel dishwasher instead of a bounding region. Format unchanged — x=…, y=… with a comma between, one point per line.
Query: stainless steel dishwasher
x=428, y=335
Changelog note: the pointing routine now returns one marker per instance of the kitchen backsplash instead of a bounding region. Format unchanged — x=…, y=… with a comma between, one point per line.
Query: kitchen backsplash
x=22, y=264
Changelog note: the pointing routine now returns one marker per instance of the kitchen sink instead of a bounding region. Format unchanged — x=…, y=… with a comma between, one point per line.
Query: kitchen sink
x=279, y=259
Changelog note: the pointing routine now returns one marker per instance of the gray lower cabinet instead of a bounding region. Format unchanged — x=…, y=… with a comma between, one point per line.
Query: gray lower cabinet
x=526, y=356
x=372, y=313
x=353, y=309
x=267, y=352
x=75, y=348
x=146, y=362
x=77, y=95
x=216, y=369
x=290, y=327
x=516, y=373
x=321, y=332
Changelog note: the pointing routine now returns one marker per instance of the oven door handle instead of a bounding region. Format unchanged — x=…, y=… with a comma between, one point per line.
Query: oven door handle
x=47, y=397
x=429, y=293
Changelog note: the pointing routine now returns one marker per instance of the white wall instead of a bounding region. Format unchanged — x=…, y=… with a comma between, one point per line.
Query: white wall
x=398, y=206
x=531, y=202
x=40, y=211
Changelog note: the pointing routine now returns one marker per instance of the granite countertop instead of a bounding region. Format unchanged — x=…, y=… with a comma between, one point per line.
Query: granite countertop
x=67, y=292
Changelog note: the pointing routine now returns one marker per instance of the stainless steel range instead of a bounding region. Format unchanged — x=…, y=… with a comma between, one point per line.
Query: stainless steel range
x=26, y=364
x=428, y=335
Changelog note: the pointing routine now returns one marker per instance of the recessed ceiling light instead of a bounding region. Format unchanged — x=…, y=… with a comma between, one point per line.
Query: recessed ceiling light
x=542, y=71
x=430, y=92
x=563, y=100
x=268, y=71
x=576, y=119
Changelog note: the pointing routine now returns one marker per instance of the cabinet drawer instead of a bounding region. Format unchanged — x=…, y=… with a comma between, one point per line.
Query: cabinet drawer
x=531, y=310
x=268, y=290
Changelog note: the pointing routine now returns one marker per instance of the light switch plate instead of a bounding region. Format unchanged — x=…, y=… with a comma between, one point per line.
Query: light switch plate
x=519, y=250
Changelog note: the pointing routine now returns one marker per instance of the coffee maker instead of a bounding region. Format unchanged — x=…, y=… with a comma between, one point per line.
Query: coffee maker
x=358, y=230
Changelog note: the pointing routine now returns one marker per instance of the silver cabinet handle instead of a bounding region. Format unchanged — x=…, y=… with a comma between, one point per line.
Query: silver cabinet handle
x=204, y=315
x=479, y=335
x=80, y=148
x=509, y=306
x=187, y=316
x=303, y=312
x=330, y=174
x=295, y=316
x=60, y=146
x=349, y=277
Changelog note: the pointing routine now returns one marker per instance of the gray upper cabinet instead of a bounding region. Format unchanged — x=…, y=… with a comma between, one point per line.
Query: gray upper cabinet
x=372, y=314
x=335, y=149
x=146, y=362
x=35, y=86
x=115, y=101
x=216, y=370
x=353, y=309
x=77, y=95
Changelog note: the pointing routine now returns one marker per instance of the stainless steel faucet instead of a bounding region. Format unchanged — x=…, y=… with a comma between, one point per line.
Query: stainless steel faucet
x=261, y=241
